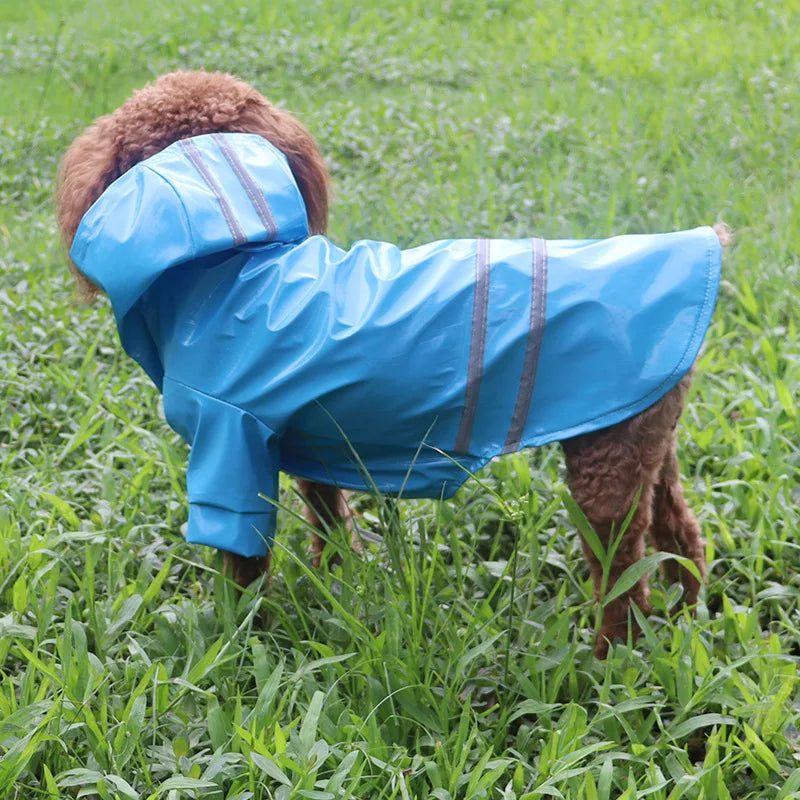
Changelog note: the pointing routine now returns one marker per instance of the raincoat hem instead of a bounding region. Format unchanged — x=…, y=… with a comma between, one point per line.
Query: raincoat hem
x=233, y=531
x=687, y=359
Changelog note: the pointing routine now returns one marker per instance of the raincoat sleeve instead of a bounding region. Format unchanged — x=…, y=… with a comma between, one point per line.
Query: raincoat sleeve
x=233, y=462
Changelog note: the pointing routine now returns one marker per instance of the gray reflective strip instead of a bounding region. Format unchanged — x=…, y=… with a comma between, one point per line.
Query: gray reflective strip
x=480, y=313
x=532, y=348
x=248, y=184
x=193, y=154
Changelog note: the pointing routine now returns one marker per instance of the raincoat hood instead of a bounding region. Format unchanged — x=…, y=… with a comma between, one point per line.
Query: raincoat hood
x=377, y=368
x=172, y=209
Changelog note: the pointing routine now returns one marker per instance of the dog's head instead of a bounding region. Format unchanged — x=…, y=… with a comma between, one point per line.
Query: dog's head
x=177, y=106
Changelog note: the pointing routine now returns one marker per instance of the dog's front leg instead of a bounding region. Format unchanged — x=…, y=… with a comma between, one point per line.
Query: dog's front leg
x=243, y=570
x=325, y=508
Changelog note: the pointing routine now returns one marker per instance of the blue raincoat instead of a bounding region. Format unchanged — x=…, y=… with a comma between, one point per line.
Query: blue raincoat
x=370, y=368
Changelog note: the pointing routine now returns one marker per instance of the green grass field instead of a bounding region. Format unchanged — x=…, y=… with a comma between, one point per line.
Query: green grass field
x=455, y=659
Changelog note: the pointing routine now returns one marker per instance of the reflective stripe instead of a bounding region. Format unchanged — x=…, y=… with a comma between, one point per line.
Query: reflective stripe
x=193, y=154
x=480, y=312
x=248, y=184
x=532, y=347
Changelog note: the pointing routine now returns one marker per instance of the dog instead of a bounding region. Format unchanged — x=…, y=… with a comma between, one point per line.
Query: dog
x=200, y=209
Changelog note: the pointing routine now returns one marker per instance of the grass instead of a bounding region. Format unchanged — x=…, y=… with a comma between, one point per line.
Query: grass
x=130, y=669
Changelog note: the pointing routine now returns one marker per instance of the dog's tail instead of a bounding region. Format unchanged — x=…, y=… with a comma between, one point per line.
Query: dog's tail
x=725, y=233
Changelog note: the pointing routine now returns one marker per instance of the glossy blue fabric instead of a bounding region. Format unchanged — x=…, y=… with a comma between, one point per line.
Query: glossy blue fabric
x=350, y=366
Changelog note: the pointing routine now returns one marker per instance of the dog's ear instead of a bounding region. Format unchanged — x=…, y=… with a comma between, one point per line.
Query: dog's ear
x=87, y=168
x=311, y=174
x=290, y=136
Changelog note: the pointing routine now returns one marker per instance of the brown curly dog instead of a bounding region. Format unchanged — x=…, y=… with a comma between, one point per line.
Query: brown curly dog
x=606, y=469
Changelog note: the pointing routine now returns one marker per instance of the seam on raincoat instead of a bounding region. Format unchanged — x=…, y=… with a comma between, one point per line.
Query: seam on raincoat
x=270, y=508
x=80, y=246
x=180, y=203
x=679, y=370
x=706, y=298
x=223, y=402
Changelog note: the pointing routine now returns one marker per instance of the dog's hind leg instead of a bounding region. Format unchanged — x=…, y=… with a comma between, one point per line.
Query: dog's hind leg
x=675, y=529
x=325, y=508
x=605, y=472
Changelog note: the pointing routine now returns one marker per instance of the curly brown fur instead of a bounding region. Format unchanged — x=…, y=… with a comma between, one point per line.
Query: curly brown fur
x=605, y=472
x=606, y=469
